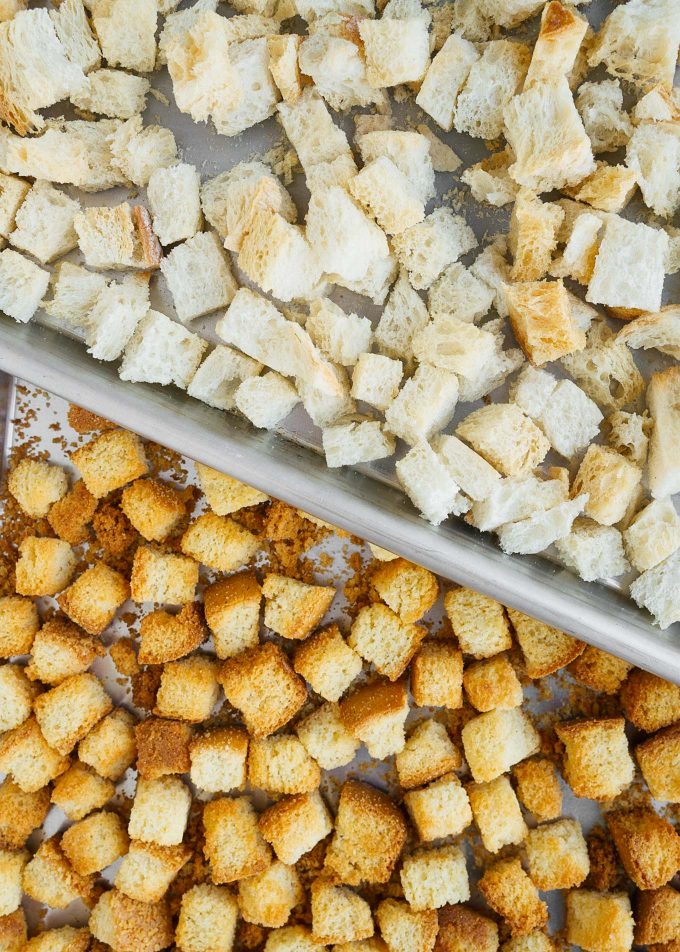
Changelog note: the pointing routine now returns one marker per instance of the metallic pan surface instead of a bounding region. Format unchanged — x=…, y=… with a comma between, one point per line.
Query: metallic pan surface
x=361, y=504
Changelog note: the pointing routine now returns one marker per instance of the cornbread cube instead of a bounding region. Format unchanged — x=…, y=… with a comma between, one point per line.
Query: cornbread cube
x=80, y=791
x=597, y=763
x=20, y=814
x=36, y=485
x=234, y=846
x=226, y=494
x=110, y=748
x=408, y=589
x=71, y=515
x=160, y=811
x=442, y=808
x=542, y=320
x=45, y=566
x=50, y=878
x=658, y=759
x=376, y=714
x=383, y=639
x=647, y=844
x=462, y=929
x=492, y=684
x=219, y=542
x=165, y=637
x=291, y=939
x=649, y=702
x=268, y=898
x=597, y=921
x=232, y=611
x=148, y=869
x=94, y=598
x=405, y=929
x=61, y=650
x=428, y=753
x=294, y=825
x=163, y=578
x=27, y=757
x=538, y=788
x=478, y=622
x=16, y=696
x=338, y=914
x=599, y=670
x=153, y=507
x=70, y=710
x=95, y=842
x=557, y=855
x=437, y=675
x=262, y=685
x=188, y=690
x=218, y=759
x=657, y=916
x=110, y=461
x=432, y=878
x=293, y=609
x=130, y=926
x=512, y=895
x=545, y=649
x=497, y=813
x=19, y=623
x=325, y=737
x=207, y=919
x=281, y=765
x=162, y=747
x=495, y=741
x=327, y=662
x=370, y=832
x=11, y=867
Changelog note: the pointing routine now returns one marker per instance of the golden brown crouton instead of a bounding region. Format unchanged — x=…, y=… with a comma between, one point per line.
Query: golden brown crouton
x=649, y=702
x=71, y=515
x=234, y=846
x=327, y=662
x=604, y=866
x=123, y=653
x=20, y=813
x=440, y=809
x=95, y=842
x=542, y=321
x=218, y=759
x=545, y=649
x=437, y=675
x=648, y=846
x=110, y=747
x=162, y=578
x=189, y=689
x=658, y=758
x=162, y=747
x=557, y=855
x=165, y=637
x=384, y=640
x=294, y=825
x=130, y=926
x=148, y=869
x=599, y=670
x=479, y=622
x=226, y=494
x=36, y=485
x=512, y=895
x=599, y=920
x=597, y=763
x=70, y=710
x=45, y=566
x=538, y=788
x=19, y=623
x=219, y=542
x=492, y=683
x=61, y=650
x=462, y=929
x=338, y=914
x=497, y=813
x=160, y=811
x=408, y=589
x=293, y=609
x=434, y=877
x=27, y=757
x=268, y=898
x=232, y=611
x=153, y=507
x=95, y=597
x=404, y=929
x=657, y=916
x=428, y=753
x=207, y=919
x=325, y=737
x=16, y=696
x=495, y=741
x=376, y=713
x=11, y=866
x=50, y=878
x=13, y=932
x=281, y=765
x=109, y=461
x=81, y=790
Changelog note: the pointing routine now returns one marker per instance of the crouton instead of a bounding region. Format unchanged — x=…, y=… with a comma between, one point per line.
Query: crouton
x=117, y=238
x=268, y=898
x=325, y=737
x=49, y=878
x=437, y=675
x=126, y=33
x=110, y=461
x=219, y=542
x=440, y=809
x=383, y=639
x=557, y=855
x=261, y=683
x=545, y=649
x=428, y=754
x=542, y=320
x=489, y=181
x=188, y=690
x=26, y=756
x=507, y=438
x=328, y=663
x=162, y=748
x=460, y=927
x=424, y=405
x=218, y=759
x=294, y=825
x=110, y=747
x=162, y=351
x=657, y=757
x=657, y=916
x=396, y=50
x=629, y=268
x=638, y=43
x=445, y=78
x=80, y=790
x=63, y=938
x=160, y=811
x=538, y=788
x=61, y=650
x=376, y=714
x=291, y=939
x=95, y=842
x=162, y=577
x=533, y=236
x=45, y=566
x=606, y=122
x=478, y=622
x=664, y=465
x=71, y=515
x=293, y=609
x=207, y=919
x=16, y=696
x=497, y=813
x=425, y=249
x=491, y=83
x=153, y=507
x=610, y=481
x=125, y=924
x=608, y=189
x=234, y=846
x=19, y=623
x=403, y=927
x=281, y=765
x=338, y=914
x=37, y=486
x=20, y=813
x=70, y=710
x=165, y=637
x=512, y=895
x=492, y=684
x=435, y=877
x=232, y=611
x=11, y=868
x=403, y=316
x=226, y=494
x=148, y=870
x=597, y=763
x=495, y=741
x=94, y=598
x=599, y=920
x=647, y=844
x=649, y=702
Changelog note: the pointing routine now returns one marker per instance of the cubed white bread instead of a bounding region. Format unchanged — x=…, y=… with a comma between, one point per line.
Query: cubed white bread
x=663, y=400
x=496, y=371
x=611, y=482
x=340, y=172
x=396, y=50
x=73, y=29
x=340, y=337
x=13, y=191
x=117, y=238
x=495, y=741
x=326, y=739
x=440, y=809
x=126, y=30
x=174, y=202
x=346, y=444
x=657, y=591
x=388, y=195
x=497, y=813
x=532, y=389
x=427, y=482
x=429, y=247
x=74, y=293
x=277, y=256
x=403, y=316
x=375, y=283
x=424, y=405
x=533, y=235
x=115, y=314
x=489, y=180
x=344, y=239
x=44, y=223
x=436, y=877
x=606, y=122
x=112, y=92
x=220, y=375
x=283, y=64
x=594, y=551
x=491, y=83
x=630, y=266
x=456, y=346
x=311, y=10
x=325, y=393
x=609, y=188
x=23, y=285
x=557, y=45
x=515, y=498
x=653, y=535
x=337, y=70
x=259, y=93
x=639, y=42
x=492, y=268
x=510, y=13
x=506, y=437
x=660, y=330
x=445, y=78
x=410, y=152
x=266, y=400
x=199, y=276
x=605, y=369
x=540, y=530
x=578, y=258
x=162, y=351
x=659, y=104
x=653, y=153
x=458, y=293
x=138, y=151
x=476, y=478
x=628, y=434
x=311, y=130
x=376, y=379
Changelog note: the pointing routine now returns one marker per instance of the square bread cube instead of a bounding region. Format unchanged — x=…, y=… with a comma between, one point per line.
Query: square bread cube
x=13, y=191
x=370, y=832
x=656, y=591
x=188, y=690
x=20, y=813
x=94, y=598
x=599, y=920
x=657, y=916
x=291, y=939
x=497, y=813
x=281, y=765
x=512, y=895
x=593, y=551
x=162, y=351
x=424, y=405
x=388, y=195
x=37, y=486
x=232, y=611
x=124, y=923
x=375, y=714
x=95, y=842
x=341, y=337
x=338, y=914
x=165, y=637
x=266, y=400
x=491, y=83
x=429, y=485
x=647, y=844
x=545, y=649
x=207, y=919
x=658, y=757
x=148, y=870
x=533, y=236
x=261, y=683
x=538, y=788
x=162, y=747
x=425, y=249
x=437, y=675
x=533, y=942
x=220, y=376
x=11, y=868
x=478, y=622
x=397, y=50
x=80, y=791
x=174, y=202
x=440, y=809
x=462, y=929
x=325, y=737
x=328, y=663
x=629, y=268
x=153, y=507
x=653, y=535
x=16, y=696
x=557, y=855
x=611, y=482
x=268, y=898
x=162, y=578
x=19, y=623
x=381, y=637
x=226, y=494
x=429, y=753
x=294, y=825
x=71, y=515
x=113, y=93
x=649, y=702
x=49, y=878
x=404, y=928
x=432, y=878
x=70, y=710
x=45, y=204
x=492, y=684
x=160, y=811
x=403, y=316
x=26, y=756
x=110, y=748
x=199, y=277
x=110, y=461
x=597, y=763
x=234, y=846
x=409, y=590
x=61, y=650
x=506, y=437
x=219, y=542
x=293, y=609
x=346, y=444
x=376, y=379
x=495, y=741
x=445, y=78
x=218, y=759
x=45, y=566
x=23, y=285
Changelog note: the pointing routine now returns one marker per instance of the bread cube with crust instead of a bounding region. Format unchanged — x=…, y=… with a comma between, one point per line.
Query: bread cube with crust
x=424, y=405
x=188, y=689
x=427, y=482
x=234, y=846
x=26, y=756
x=497, y=813
x=95, y=842
x=653, y=155
x=162, y=351
x=610, y=480
x=445, y=78
x=19, y=623
x=375, y=714
x=148, y=870
x=428, y=754
x=381, y=637
x=538, y=788
x=94, y=598
x=162, y=578
x=492, y=684
x=657, y=917
x=232, y=611
x=629, y=268
x=218, y=759
x=461, y=928
x=495, y=741
x=11, y=868
x=16, y=696
x=70, y=710
x=79, y=791
x=338, y=914
x=440, y=809
x=437, y=675
x=608, y=189
x=160, y=811
x=328, y=663
x=20, y=813
x=425, y=249
x=207, y=919
x=110, y=748
x=71, y=515
x=478, y=622
x=45, y=566
x=435, y=877
x=512, y=895
x=294, y=825
x=542, y=320
x=647, y=844
x=649, y=702
x=61, y=650
x=117, y=238
x=226, y=494
x=165, y=637
x=281, y=765
x=162, y=747
x=49, y=878
x=36, y=485
x=598, y=920
x=397, y=50
x=597, y=763
x=403, y=927
x=533, y=235
x=557, y=45
x=557, y=855
x=219, y=542
x=505, y=437
x=293, y=609
x=268, y=898
x=545, y=649
x=325, y=737
x=124, y=923
x=657, y=757
x=493, y=80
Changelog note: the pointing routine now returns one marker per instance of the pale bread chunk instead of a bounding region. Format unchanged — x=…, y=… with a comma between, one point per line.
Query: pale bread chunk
x=388, y=195
x=175, y=203
x=283, y=64
x=343, y=238
x=139, y=150
x=410, y=152
x=259, y=93
x=653, y=154
x=112, y=92
x=217, y=380
x=458, y=293
x=427, y=482
x=336, y=68
x=13, y=191
x=126, y=30
x=594, y=551
x=630, y=266
x=73, y=29
x=557, y=45
x=600, y=106
x=540, y=530
x=162, y=351
x=340, y=337
x=660, y=330
x=657, y=591
x=445, y=78
x=663, y=400
x=74, y=293
x=490, y=181
x=427, y=248
x=639, y=41
x=117, y=238
x=44, y=223
x=346, y=444
x=473, y=474
x=456, y=346
x=311, y=130
x=115, y=314
x=22, y=285
x=199, y=276
x=609, y=188
x=506, y=438
x=653, y=535
x=424, y=405
x=610, y=480
x=403, y=316
x=491, y=83
x=397, y=50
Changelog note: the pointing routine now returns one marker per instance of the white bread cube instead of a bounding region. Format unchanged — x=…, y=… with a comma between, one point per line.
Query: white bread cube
x=325, y=737
x=660, y=330
x=657, y=591
x=639, y=42
x=13, y=191
x=311, y=130
x=115, y=315
x=491, y=83
x=516, y=498
x=424, y=405
x=609, y=188
x=468, y=469
x=376, y=281
x=346, y=444
x=664, y=460
x=16, y=694
x=220, y=375
x=427, y=482
x=506, y=438
x=533, y=235
x=283, y=64
x=126, y=30
x=538, y=531
x=389, y=196
x=340, y=337
x=344, y=239
x=162, y=351
x=403, y=316
x=456, y=346
x=605, y=370
x=659, y=104
x=73, y=29
x=44, y=223
x=396, y=50
x=175, y=203
x=630, y=266
x=578, y=258
x=338, y=913
x=458, y=293
x=492, y=268
x=266, y=400
x=557, y=45
x=326, y=174
x=495, y=741
x=489, y=180
x=497, y=813
x=653, y=535
x=281, y=765
x=653, y=153
x=410, y=152
x=440, y=809
x=74, y=293
x=277, y=256
x=627, y=433
x=160, y=811
x=117, y=238
x=337, y=69
x=199, y=277
x=324, y=390
x=138, y=151
x=557, y=855
x=436, y=877
x=112, y=92
x=611, y=482
x=429, y=247
x=259, y=93
x=606, y=122
x=445, y=78
x=22, y=285
x=376, y=379
x=594, y=551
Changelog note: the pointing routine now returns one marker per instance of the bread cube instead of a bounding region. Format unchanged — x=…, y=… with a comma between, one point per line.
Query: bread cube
x=396, y=50
x=110, y=461
x=325, y=737
x=440, y=809
x=165, y=637
x=557, y=855
x=408, y=589
x=133, y=49
x=647, y=844
x=188, y=690
x=495, y=741
x=533, y=236
x=294, y=825
x=261, y=683
x=437, y=675
x=445, y=78
x=49, y=878
x=20, y=813
x=338, y=914
x=653, y=535
x=609, y=188
x=283, y=65
x=125, y=924
x=425, y=249
x=175, y=203
x=340, y=337
x=36, y=485
x=545, y=649
x=606, y=122
x=11, y=868
x=657, y=757
x=436, y=877
x=293, y=609
x=23, y=285
x=94, y=598
x=592, y=550
x=376, y=713
x=492, y=684
x=19, y=623
x=80, y=790
x=162, y=351
x=218, y=760
x=266, y=400
x=629, y=268
x=424, y=405
x=281, y=765
x=478, y=622
x=95, y=842
x=45, y=204
x=70, y=710
x=16, y=696
x=45, y=566
x=404, y=928
x=291, y=939
x=429, y=753
x=148, y=870
x=655, y=590
x=597, y=763
x=268, y=898
x=507, y=438
x=328, y=663
x=154, y=508
x=162, y=747
x=384, y=190
x=57, y=940
x=74, y=293
x=138, y=151
x=473, y=474
x=403, y=316
x=219, y=542
x=542, y=321
x=512, y=895
x=232, y=611
x=110, y=748
x=600, y=671
x=207, y=919
x=162, y=577
x=611, y=482
x=381, y=637
x=346, y=444
x=605, y=371
x=198, y=275
x=497, y=813
x=462, y=928
x=370, y=832
x=234, y=846
x=652, y=154
x=112, y=92
x=649, y=702
x=71, y=515
x=13, y=191
x=160, y=811
x=226, y=494
x=538, y=788
x=535, y=941
x=599, y=920
x=657, y=916
x=218, y=380
x=26, y=756
x=376, y=379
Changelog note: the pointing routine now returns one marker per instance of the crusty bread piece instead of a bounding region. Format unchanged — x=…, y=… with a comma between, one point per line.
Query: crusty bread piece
x=346, y=444
x=403, y=927
x=283, y=65
x=658, y=330
x=121, y=922
x=126, y=30
x=495, y=741
x=162, y=351
x=542, y=320
x=653, y=534
x=294, y=825
x=490, y=181
x=647, y=844
x=59, y=651
x=424, y=405
x=557, y=45
x=580, y=252
x=428, y=754
x=557, y=855
x=435, y=877
x=440, y=809
x=49, y=878
x=653, y=154
x=115, y=315
x=656, y=590
x=599, y=671
x=600, y=106
x=657, y=917
x=533, y=236
x=538, y=788
x=497, y=813
x=336, y=68
x=491, y=83
x=594, y=551
x=445, y=78
x=491, y=684
x=639, y=42
x=396, y=49
x=664, y=461
x=597, y=763
x=22, y=285
x=281, y=765
x=610, y=480
x=657, y=757
x=382, y=638
x=117, y=238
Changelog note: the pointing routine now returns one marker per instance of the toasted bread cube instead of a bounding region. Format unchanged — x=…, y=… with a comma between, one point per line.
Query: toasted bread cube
x=545, y=649
x=154, y=508
x=533, y=236
x=647, y=844
x=16, y=696
x=492, y=684
x=20, y=813
x=291, y=939
x=557, y=855
x=50, y=878
x=218, y=760
x=495, y=741
x=64, y=939
x=375, y=714
x=611, y=482
x=110, y=747
x=497, y=813
x=408, y=589
x=294, y=825
x=27, y=757
x=538, y=788
x=36, y=485
x=328, y=663
x=405, y=929
x=234, y=846
x=293, y=609
x=71, y=515
x=338, y=914
x=226, y=494
x=11, y=869
x=325, y=737
x=462, y=929
x=262, y=685
x=506, y=437
x=370, y=832
x=428, y=754
x=70, y=710
x=440, y=809
x=512, y=895
x=381, y=637
x=268, y=898
x=281, y=765
x=597, y=763
x=125, y=924
x=19, y=623
x=162, y=577
x=232, y=611
x=148, y=869
x=598, y=921
x=432, y=878
x=188, y=690
x=94, y=598
x=80, y=791
x=14, y=934
x=45, y=566
x=437, y=675
x=657, y=916
x=61, y=650
x=95, y=842
x=649, y=702
x=542, y=321
x=658, y=757
x=160, y=811
x=478, y=622
x=110, y=461
x=599, y=670
x=162, y=748
x=165, y=637
x=207, y=919
x=219, y=542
